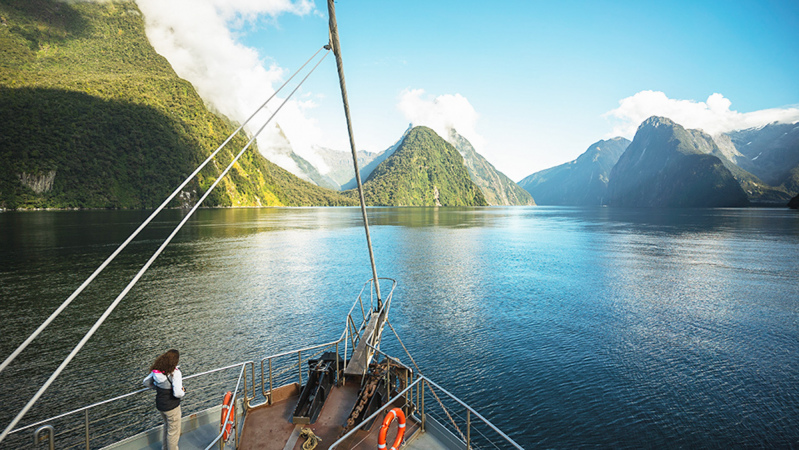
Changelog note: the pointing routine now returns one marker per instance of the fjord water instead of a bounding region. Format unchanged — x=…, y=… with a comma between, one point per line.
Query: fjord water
x=566, y=327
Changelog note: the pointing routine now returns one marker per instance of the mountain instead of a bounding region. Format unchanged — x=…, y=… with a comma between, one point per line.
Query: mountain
x=337, y=165
x=497, y=188
x=367, y=169
x=92, y=117
x=722, y=147
x=282, y=153
x=582, y=182
x=771, y=153
x=424, y=170
x=794, y=203
x=667, y=166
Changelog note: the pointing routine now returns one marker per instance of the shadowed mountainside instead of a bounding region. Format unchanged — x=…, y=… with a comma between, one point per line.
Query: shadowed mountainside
x=664, y=166
x=92, y=117
x=582, y=182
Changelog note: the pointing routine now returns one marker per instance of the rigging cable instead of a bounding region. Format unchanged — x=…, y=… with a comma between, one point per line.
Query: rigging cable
x=431, y=389
x=334, y=42
x=119, y=249
x=146, y=266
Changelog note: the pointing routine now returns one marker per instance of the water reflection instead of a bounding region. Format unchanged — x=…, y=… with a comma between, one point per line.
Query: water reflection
x=607, y=327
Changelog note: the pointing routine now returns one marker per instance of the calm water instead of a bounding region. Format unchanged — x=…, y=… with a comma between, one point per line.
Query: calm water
x=567, y=327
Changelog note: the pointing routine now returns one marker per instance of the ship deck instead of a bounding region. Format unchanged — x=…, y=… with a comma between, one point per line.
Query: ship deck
x=269, y=426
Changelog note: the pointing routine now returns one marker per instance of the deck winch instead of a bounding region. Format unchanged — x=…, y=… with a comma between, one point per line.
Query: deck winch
x=321, y=378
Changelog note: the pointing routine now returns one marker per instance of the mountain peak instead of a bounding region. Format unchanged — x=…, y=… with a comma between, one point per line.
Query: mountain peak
x=657, y=121
x=667, y=165
x=424, y=170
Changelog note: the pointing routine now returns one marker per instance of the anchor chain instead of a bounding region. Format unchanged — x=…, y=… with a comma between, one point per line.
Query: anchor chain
x=376, y=374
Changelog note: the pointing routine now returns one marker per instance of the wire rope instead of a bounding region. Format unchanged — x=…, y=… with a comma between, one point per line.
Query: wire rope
x=144, y=268
x=420, y=373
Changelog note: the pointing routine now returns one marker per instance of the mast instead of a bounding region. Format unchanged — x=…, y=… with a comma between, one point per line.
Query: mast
x=334, y=43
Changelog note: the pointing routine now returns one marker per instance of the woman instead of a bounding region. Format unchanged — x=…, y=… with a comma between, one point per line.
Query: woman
x=167, y=380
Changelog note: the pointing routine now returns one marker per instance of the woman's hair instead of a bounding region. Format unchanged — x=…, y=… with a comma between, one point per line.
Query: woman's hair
x=167, y=362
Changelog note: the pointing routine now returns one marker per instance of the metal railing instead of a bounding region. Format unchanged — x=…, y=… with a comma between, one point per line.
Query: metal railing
x=292, y=360
x=242, y=377
x=102, y=430
x=469, y=421
x=422, y=415
x=77, y=431
x=447, y=422
x=282, y=375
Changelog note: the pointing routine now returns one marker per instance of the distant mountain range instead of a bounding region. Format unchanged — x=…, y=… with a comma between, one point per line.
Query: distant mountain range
x=92, y=117
x=340, y=171
x=770, y=153
x=371, y=165
x=282, y=153
x=496, y=187
x=668, y=165
x=581, y=182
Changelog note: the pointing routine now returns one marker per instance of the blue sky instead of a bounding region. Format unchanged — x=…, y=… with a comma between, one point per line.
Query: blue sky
x=538, y=79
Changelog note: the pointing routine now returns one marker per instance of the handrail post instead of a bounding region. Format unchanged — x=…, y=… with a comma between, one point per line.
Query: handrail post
x=407, y=406
x=236, y=424
x=50, y=433
x=423, y=411
x=468, y=429
x=263, y=381
x=346, y=335
x=418, y=400
x=338, y=373
x=86, y=414
x=299, y=367
x=252, y=389
x=271, y=393
x=252, y=384
x=245, y=384
x=360, y=300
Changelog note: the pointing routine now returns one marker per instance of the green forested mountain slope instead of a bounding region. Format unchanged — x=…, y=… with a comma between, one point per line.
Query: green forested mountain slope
x=91, y=116
x=425, y=170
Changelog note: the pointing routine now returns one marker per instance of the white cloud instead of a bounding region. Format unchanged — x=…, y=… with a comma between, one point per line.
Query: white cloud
x=441, y=113
x=714, y=116
x=195, y=37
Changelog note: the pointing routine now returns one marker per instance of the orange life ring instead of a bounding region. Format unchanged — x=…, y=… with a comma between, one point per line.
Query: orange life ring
x=226, y=404
x=381, y=439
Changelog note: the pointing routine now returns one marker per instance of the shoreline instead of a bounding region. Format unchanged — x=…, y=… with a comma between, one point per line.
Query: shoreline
x=752, y=205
